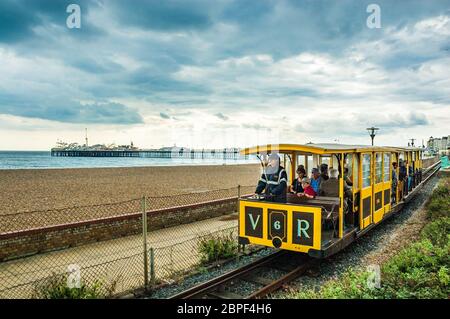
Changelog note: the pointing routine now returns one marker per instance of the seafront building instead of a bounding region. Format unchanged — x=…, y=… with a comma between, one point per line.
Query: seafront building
x=439, y=145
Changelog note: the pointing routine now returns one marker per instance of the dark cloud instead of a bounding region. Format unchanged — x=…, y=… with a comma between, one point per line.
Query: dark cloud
x=15, y=21
x=222, y=116
x=356, y=124
x=195, y=33
x=19, y=17
x=97, y=67
x=71, y=111
x=409, y=120
x=167, y=15
x=164, y=115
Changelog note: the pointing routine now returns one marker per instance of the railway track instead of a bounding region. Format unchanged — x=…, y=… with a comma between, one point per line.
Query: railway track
x=259, y=278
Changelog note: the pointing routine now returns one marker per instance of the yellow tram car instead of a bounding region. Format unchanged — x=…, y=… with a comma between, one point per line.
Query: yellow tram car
x=322, y=226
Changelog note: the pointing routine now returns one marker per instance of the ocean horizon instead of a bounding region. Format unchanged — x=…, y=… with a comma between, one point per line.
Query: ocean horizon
x=10, y=160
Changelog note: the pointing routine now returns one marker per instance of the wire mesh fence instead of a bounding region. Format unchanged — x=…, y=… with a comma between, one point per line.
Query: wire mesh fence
x=45, y=218
x=38, y=219
x=114, y=265
x=118, y=265
x=174, y=261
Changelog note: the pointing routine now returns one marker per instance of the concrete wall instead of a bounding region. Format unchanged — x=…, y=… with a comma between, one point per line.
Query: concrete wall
x=430, y=161
x=39, y=240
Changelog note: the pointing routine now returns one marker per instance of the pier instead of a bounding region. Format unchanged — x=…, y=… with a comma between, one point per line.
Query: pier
x=227, y=154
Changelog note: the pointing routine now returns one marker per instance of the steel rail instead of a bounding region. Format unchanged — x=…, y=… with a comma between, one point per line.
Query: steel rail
x=290, y=276
x=204, y=288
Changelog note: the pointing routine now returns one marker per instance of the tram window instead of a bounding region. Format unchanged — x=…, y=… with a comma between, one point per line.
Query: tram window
x=349, y=165
x=301, y=160
x=310, y=164
x=284, y=160
x=387, y=165
x=325, y=160
x=334, y=162
x=315, y=161
x=366, y=182
x=287, y=166
x=378, y=168
x=355, y=173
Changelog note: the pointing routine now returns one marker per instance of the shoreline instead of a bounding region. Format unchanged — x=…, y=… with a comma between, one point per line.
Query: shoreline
x=120, y=167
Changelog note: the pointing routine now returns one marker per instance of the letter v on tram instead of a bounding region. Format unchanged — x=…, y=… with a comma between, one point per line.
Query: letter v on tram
x=323, y=225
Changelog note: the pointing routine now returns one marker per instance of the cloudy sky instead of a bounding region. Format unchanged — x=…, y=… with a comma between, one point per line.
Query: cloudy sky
x=223, y=72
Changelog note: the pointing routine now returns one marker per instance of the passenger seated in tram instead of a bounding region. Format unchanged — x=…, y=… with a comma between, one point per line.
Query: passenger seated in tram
x=347, y=179
x=315, y=180
x=330, y=187
x=296, y=186
x=273, y=181
x=324, y=172
x=402, y=178
x=308, y=191
x=394, y=183
x=410, y=177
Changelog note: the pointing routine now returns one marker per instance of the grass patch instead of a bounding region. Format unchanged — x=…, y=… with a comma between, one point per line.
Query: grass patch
x=421, y=270
x=55, y=287
x=437, y=232
x=216, y=247
x=439, y=203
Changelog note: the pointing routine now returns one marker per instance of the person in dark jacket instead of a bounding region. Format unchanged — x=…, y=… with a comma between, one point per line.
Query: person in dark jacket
x=273, y=181
x=410, y=177
x=324, y=172
x=296, y=186
x=402, y=178
x=394, y=183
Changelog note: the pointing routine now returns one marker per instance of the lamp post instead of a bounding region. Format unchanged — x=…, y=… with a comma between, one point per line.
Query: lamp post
x=372, y=132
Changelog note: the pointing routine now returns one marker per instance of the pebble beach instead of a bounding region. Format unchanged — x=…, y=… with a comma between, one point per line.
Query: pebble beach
x=41, y=189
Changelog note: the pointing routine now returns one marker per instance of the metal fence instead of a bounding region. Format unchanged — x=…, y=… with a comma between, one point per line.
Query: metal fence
x=118, y=265
x=52, y=217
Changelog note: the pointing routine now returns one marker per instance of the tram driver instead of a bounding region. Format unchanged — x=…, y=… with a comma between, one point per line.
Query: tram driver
x=273, y=181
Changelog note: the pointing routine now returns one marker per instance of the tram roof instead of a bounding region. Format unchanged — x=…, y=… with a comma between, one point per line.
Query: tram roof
x=321, y=148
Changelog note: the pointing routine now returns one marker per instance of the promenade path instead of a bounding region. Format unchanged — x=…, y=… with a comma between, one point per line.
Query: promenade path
x=117, y=262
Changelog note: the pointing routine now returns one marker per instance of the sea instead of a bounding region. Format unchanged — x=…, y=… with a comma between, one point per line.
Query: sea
x=44, y=160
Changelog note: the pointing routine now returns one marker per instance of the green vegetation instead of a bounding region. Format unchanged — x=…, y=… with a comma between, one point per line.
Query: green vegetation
x=420, y=270
x=438, y=231
x=215, y=247
x=55, y=287
x=439, y=203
